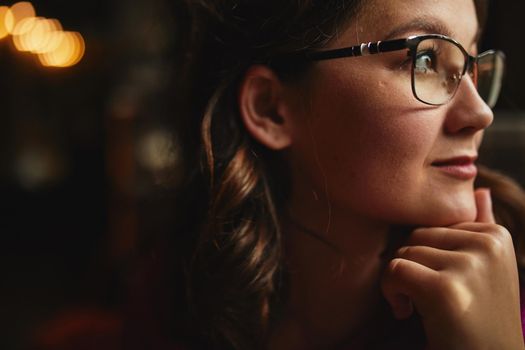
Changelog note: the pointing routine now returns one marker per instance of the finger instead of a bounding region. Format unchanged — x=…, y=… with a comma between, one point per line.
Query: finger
x=484, y=206
x=434, y=258
x=445, y=238
x=473, y=236
x=480, y=227
x=404, y=282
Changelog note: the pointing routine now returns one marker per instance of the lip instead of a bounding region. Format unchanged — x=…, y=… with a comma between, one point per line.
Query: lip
x=462, y=167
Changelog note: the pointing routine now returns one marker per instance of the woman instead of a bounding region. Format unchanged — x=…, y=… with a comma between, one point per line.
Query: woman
x=334, y=197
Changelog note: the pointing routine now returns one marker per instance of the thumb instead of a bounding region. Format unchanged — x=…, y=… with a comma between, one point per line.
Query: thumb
x=484, y=206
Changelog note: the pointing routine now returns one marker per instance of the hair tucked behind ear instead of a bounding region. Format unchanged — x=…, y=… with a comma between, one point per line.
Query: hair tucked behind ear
x=233, y=273
x=235, y=277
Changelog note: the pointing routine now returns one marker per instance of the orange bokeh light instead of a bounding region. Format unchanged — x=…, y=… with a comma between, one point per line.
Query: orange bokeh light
x=20, y=32
x=17, y=13
x=41, y=36
x=4, y=12
x=68, y=53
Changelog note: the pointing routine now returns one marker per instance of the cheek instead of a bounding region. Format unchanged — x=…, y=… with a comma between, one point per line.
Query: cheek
x=371, y=153
x=367, y=136
x=383, y=171
x=384, y=174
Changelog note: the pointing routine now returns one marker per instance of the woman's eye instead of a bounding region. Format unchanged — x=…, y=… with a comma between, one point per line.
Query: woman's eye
x=425, y=61
x=406, y=64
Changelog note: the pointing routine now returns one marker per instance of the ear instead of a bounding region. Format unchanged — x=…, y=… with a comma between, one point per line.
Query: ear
x=262, y=107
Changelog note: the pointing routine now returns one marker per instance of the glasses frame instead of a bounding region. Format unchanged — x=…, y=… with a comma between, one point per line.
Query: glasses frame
x=411, y=43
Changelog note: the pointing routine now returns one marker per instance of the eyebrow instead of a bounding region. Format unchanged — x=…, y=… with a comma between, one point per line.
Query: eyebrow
x=428, y=25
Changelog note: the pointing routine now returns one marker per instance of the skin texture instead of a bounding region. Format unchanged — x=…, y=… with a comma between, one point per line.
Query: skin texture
x=361, y=150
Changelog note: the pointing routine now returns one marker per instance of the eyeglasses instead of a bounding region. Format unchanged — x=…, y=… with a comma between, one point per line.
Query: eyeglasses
x=438, y=65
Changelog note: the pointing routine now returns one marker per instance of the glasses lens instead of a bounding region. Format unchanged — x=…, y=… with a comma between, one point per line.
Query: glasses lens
x=438, y=67
x=490, y=67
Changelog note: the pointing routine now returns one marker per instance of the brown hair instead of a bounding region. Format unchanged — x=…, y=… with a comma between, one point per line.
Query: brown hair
x=235, y=277
x=237, y=187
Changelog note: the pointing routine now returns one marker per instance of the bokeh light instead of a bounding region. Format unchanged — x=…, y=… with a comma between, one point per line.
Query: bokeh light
x=4, y=11
x=50, y=36
x=156, y=150
x=41, y=36
x=68, y=52
x=20, y=32
x=17, y=13
x=36, y=167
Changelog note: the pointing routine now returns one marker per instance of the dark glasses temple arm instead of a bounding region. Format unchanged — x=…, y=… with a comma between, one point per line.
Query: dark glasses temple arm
x=359, y=50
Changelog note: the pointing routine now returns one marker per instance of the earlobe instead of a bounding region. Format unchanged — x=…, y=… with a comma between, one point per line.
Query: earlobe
x=260, y=106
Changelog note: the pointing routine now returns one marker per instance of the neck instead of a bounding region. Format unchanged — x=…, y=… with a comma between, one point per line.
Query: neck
x=334, y=273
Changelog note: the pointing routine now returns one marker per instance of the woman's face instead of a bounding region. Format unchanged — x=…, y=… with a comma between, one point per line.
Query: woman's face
x=361, y=137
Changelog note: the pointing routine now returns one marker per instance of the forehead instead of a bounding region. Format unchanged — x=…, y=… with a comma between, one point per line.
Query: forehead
x=390, y=19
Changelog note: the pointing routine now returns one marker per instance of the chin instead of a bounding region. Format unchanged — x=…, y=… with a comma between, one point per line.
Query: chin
x=443, y=213
x=447, y=206
x=456, y=216
x=450, y=212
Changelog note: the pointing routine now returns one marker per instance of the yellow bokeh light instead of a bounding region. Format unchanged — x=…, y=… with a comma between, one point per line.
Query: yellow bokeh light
x=4, y=10
x=9, y=21
x=40, y=38
x=20, y=32
x=17, y=13
x=52, y=41
x=69, y=51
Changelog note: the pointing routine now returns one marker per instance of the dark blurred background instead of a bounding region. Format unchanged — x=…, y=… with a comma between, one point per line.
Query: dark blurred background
x=82, y=147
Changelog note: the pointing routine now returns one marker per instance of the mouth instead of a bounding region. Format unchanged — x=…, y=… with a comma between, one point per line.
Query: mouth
x=462, y=168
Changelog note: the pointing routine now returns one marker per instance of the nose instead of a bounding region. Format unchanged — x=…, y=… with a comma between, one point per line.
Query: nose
x=467, y=112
